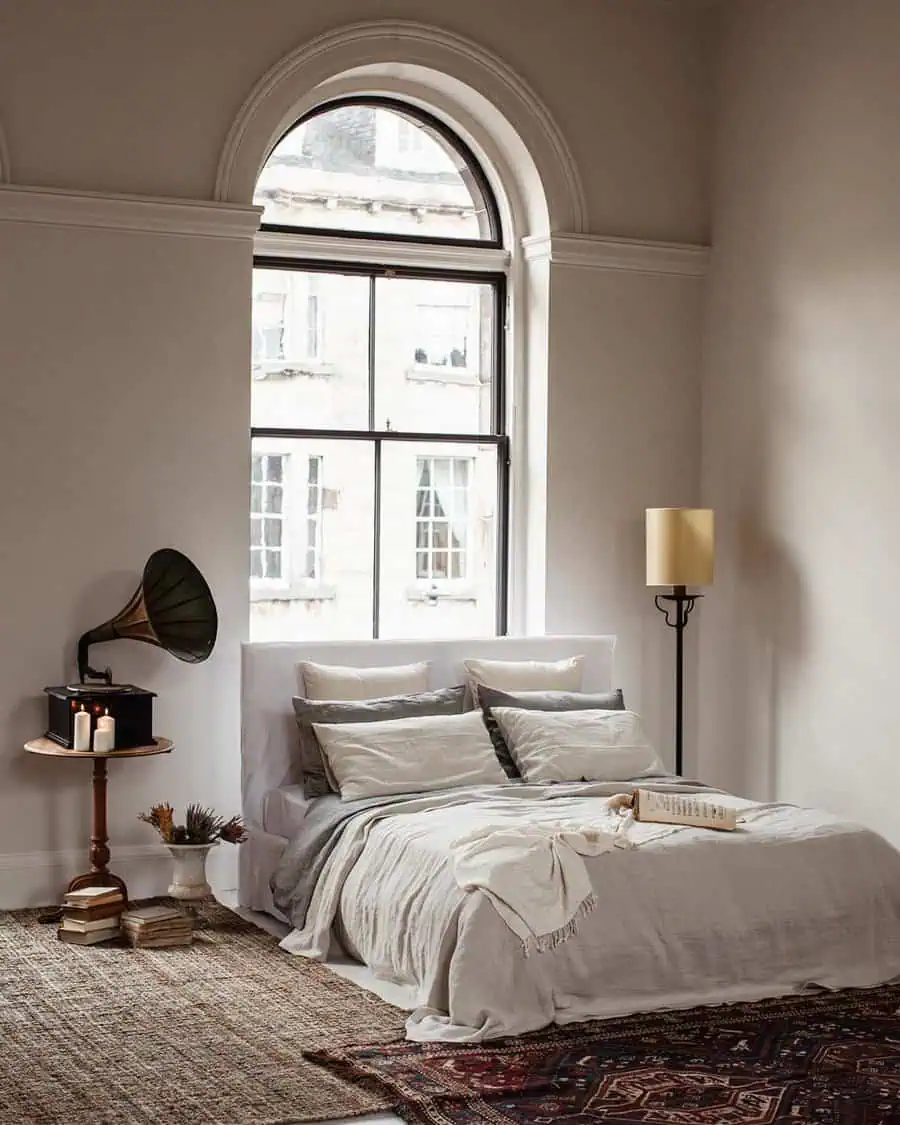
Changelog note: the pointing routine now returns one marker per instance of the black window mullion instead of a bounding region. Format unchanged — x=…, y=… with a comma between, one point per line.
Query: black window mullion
x=384, y=236
x=503, y=467
x=498, y=383
x=375, y=269
x=377, y=435
x=376, y=562
x=376, y=484
x=372, y=352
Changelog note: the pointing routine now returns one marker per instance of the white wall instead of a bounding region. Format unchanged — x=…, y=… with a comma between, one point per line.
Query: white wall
x=801, y=638
x=124, y=356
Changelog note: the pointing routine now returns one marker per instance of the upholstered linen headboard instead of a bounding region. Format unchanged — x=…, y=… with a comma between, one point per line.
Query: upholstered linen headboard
x=269, y=679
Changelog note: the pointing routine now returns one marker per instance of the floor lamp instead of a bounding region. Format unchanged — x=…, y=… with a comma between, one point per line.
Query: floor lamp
x=680, y=553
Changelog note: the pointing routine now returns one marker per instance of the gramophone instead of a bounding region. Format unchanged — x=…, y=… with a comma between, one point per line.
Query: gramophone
x=173, y=609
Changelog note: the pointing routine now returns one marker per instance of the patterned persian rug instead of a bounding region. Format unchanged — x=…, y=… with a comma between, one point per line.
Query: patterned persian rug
x=828, y=1059
x=209, y=1034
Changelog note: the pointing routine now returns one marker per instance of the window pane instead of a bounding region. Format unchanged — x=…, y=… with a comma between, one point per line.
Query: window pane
x=369, y=168
x=310, y=361
x=433, y=355
x=311, y=562
x=438, y=540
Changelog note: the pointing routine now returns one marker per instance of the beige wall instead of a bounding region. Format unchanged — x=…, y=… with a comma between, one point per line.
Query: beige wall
x=124, y=95
x=125, y=395
x=124, y=356
x=624, y=433
x=801, y=638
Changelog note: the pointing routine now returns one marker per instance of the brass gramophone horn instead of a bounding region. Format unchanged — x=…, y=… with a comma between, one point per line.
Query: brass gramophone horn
x=173, y=608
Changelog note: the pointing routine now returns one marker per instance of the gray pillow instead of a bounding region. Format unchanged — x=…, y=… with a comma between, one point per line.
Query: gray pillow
x=489, y=697
x=314, y=776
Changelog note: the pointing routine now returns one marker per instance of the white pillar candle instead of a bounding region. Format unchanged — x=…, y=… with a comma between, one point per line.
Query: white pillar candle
x=82, y=733
x=108, y=723
x=103, y=741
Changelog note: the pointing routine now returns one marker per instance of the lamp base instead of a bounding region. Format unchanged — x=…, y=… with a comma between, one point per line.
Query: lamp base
x=681, y=604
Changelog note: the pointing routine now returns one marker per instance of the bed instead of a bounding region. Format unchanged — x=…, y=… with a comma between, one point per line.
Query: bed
x=798, y=898
x=272, y=803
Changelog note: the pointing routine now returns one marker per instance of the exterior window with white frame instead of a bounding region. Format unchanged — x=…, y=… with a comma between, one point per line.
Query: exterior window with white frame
x=314, y=495
x=288, y=320
x=267, y=537
x=442, y=518
x=443, y=336
x=378, y=377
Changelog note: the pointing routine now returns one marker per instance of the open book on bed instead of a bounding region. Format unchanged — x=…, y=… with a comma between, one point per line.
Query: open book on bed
x=676, y=808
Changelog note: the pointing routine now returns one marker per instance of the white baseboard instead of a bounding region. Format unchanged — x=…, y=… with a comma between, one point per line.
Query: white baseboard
x=39, y=878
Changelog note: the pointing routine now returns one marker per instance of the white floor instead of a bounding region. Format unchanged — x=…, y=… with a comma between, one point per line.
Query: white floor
x=351, y=970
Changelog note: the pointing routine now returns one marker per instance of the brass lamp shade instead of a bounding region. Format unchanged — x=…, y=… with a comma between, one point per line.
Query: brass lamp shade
x=680, y=546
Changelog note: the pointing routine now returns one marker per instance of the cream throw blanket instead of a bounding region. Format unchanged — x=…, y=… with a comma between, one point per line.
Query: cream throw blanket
x=534, y=874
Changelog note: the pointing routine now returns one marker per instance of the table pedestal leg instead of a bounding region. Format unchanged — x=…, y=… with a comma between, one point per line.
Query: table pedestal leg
x=99, y=874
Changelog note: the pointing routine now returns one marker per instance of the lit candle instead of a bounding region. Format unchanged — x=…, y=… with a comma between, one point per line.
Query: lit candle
x=103, y=741
x=82, y=732
x=108, y=723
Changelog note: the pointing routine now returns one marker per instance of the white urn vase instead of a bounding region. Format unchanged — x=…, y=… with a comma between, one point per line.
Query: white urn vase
x=189, y=871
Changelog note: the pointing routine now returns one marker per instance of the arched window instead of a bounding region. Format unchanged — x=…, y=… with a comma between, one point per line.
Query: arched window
x=380, y=461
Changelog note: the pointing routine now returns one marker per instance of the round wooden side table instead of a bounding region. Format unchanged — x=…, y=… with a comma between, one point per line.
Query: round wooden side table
x=99, y=874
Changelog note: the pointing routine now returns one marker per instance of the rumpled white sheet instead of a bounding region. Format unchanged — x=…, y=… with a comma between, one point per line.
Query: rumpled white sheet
x=534, y=875
x=690, y=916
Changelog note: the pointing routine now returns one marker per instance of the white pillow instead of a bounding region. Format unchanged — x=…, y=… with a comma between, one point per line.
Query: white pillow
x=409, y=755
x=525, y=675
x=576, y=745
x=334, y=681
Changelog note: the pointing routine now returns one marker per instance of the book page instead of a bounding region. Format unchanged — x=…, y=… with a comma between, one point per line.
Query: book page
x=678, y=808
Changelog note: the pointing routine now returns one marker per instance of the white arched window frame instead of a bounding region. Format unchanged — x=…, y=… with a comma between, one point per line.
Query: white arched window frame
x=306, y=254
x=535, y=180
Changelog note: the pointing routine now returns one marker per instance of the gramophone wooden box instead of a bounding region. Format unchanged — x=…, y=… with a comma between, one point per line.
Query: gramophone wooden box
x=130, y=706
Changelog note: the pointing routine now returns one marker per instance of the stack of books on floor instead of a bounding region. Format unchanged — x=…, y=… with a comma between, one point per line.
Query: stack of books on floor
x=91, y=915
x=149, y=927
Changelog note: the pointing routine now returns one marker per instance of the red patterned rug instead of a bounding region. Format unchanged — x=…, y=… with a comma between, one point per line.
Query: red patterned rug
x=827, y=1059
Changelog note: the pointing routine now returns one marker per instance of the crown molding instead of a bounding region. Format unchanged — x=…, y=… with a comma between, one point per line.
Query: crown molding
x=141, y=214
x=586, y=251
x=333, y=248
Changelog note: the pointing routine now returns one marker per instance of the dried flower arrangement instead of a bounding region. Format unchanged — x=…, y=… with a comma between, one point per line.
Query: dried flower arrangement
x=201, y=826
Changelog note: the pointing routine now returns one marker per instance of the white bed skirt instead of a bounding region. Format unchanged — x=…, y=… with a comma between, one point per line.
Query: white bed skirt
x=258, y=857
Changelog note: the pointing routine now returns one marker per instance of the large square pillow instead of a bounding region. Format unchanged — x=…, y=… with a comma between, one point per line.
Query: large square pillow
x=409, y=755
x=314, y=774
x=489, y=697
x=577, y=745
x=338, y=681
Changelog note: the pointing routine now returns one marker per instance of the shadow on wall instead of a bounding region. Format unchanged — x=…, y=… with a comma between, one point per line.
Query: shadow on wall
x=755, y=631
x=770, y=588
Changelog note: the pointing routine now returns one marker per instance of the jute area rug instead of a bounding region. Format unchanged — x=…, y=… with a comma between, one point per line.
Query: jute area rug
x=830, y=1059
x=209, y=1034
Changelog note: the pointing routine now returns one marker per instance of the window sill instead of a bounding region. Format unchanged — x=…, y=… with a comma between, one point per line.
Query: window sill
x=456, y=375
x=442, y=594
x=273, y=370
x=299, y=592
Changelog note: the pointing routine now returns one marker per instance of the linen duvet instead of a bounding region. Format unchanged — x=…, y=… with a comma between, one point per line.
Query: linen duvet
x=676, y=917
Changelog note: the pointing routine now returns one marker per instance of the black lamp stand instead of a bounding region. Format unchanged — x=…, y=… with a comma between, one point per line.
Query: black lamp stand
x=680, y=604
